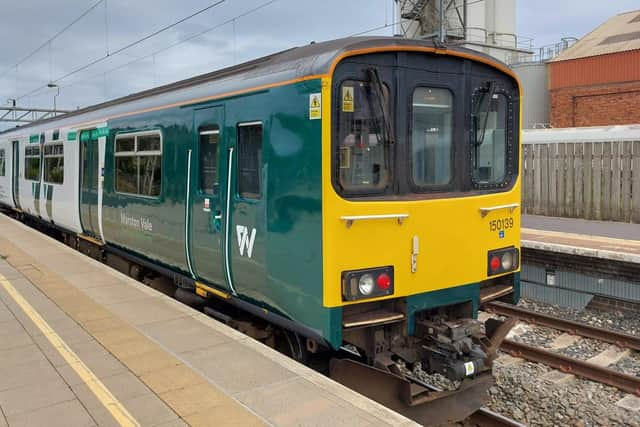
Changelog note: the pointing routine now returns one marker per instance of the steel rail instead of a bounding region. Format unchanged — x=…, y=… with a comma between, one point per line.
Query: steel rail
x=575, y=328
x=485, y=417
x=625, y=382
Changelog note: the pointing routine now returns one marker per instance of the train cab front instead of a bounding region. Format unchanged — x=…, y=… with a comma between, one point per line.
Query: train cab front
x=421, y=223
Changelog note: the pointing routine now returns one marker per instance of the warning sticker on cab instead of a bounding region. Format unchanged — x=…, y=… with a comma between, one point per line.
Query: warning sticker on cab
x=315, y=106
x=347, y=99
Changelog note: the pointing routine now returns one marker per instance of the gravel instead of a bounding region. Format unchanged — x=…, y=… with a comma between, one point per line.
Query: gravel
x=585, y=349
x=629, y=365
x=436, y=380
x=536, y=336
x=523, y=394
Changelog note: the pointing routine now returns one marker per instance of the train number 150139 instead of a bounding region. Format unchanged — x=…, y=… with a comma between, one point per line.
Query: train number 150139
x=500, y=224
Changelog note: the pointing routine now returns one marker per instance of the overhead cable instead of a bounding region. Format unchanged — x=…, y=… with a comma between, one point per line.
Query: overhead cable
x=55, y=36
x=191, y=37
x=130, y=45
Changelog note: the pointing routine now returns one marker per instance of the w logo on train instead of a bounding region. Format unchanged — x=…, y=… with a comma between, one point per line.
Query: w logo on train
x=245, y=241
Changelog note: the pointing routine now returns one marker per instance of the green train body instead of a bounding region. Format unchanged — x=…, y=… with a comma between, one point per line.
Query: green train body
x=284, y=272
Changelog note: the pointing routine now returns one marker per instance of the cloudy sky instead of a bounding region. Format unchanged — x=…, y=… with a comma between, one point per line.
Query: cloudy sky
x=231, y=32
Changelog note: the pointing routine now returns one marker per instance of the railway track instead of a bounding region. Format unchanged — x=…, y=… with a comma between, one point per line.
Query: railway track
x=613, y=337
x=625, y=382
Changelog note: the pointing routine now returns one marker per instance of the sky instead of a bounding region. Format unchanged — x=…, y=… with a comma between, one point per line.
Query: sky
x=230, y=32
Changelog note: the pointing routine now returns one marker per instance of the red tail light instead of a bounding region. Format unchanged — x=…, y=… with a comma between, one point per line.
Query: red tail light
x=384, y=281
x=495, y=263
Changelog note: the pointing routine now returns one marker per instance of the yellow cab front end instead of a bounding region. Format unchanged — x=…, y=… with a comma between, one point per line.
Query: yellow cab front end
x=421, y=198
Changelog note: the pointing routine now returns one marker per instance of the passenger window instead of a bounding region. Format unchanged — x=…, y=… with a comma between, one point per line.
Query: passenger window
x=148, y=143
x=138, y=159
x=54, y=163
x=431, y=137
x=249, y=159
x=125, y=144
x=209, y=138
x=32, y=163
x=2, y=161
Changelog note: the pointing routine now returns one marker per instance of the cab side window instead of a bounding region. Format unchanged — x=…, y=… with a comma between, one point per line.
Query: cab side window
x=249, y=159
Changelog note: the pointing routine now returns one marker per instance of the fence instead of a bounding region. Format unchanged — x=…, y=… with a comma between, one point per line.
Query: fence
x=590, y=180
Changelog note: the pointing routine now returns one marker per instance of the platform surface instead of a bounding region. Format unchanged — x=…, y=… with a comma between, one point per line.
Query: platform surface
x=83, y=345
x=616, y=230
x=580, y=237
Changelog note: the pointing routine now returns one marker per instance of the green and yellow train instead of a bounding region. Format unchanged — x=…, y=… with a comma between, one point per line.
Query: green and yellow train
x=360, y=194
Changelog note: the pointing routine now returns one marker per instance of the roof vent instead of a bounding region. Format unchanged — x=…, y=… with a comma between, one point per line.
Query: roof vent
x=621, y=38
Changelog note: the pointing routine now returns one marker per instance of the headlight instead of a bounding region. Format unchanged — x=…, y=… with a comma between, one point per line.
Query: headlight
x=502, y=261
x=367, y=283
x=507, y=261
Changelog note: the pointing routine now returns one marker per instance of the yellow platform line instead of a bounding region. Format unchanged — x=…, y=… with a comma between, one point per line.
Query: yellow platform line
x=119, y=412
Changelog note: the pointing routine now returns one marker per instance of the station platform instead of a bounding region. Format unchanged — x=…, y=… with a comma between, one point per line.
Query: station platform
x=598, y=239
x=83, y=345
x=611, y=229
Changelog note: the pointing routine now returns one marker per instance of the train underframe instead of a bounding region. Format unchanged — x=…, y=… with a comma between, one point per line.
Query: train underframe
x=447, y=342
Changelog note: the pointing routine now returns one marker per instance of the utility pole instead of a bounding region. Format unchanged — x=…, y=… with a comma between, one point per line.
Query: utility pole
x=55, y=97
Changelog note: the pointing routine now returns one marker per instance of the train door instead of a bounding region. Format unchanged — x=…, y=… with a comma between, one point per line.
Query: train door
x=246, y=232
x=15, y=183
x=89, y=173
x=205, y=249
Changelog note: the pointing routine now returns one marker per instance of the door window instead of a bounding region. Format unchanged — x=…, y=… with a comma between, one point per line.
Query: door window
x=2, y=161
x=209, y=137
x=54, y=163
x=249, y=160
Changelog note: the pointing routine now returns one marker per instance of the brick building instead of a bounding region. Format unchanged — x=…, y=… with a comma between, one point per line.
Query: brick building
x=596, y=82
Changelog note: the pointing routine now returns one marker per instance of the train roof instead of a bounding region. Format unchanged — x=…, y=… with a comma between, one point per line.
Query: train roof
x=295, y=63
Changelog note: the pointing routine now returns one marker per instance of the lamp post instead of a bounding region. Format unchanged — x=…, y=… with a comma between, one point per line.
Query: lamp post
x=52, y=85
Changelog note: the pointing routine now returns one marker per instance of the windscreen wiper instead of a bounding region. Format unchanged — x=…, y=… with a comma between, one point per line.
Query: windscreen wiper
x=376, y=82
x=485, y=99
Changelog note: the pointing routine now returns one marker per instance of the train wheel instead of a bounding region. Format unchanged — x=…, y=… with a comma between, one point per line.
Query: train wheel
x=292, y=345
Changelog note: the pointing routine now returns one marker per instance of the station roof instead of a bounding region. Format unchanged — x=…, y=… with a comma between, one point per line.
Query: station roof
x=620, y=33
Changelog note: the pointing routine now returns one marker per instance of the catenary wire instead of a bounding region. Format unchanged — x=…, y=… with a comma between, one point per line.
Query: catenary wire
x=128, y=46
x=191, y=37
x=55, y=36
